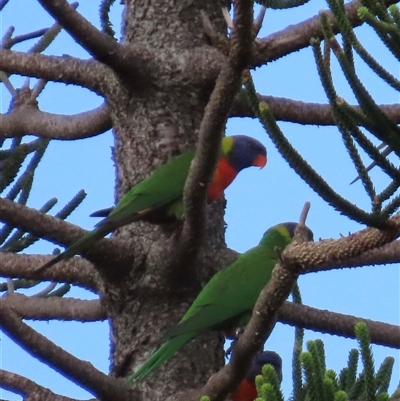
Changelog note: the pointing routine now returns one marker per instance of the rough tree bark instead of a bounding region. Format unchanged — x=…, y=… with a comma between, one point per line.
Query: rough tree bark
x=152, y=121
x=157, y=84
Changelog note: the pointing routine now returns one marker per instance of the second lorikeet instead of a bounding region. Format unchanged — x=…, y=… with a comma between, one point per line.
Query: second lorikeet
x=158, y=198
x=247, y=390
x=228, y=298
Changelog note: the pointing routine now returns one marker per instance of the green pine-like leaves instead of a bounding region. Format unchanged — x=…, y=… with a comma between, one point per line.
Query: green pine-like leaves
x=321, y=384
x=268, y=385
x=358, y=126
x=317, y=383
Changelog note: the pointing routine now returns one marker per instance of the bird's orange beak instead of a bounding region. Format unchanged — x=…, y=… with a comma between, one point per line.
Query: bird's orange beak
x=260, y=161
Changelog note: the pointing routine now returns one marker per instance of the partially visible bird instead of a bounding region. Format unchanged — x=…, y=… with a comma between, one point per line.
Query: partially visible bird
x=247, y=390
x=228, y=298
x=159, y=198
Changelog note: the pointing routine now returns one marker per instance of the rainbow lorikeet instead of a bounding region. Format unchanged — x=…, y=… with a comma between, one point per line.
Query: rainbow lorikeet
x=158, y=198
x=228, y=298
x=247, y=390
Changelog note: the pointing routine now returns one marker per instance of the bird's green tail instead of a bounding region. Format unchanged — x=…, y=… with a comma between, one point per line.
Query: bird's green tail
x=164, y=353
x=83, y=243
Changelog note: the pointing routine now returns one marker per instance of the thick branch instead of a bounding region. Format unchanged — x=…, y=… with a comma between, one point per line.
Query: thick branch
x=55, y=308
x=210, y=133
x=199, y=66
x=76, y=271
x=81, y=372
x=28, y=120
x=100, y=45
x=296, y=37
x=338, y=324
x=27, y=388
x=120, y=57
x=18, y=384
x=299, y=112
x=387, y=254
x=66, y=69
x=105, y=252
x=330, y=253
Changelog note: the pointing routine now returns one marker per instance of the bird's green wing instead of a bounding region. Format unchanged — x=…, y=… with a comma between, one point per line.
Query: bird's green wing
x=232, y=293
x=163, y=187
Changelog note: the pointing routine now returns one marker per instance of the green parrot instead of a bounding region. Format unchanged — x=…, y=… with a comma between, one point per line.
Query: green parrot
x=159, y=198
x=228, y=298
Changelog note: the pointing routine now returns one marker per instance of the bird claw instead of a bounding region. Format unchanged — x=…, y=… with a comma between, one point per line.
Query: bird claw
x=237, y=332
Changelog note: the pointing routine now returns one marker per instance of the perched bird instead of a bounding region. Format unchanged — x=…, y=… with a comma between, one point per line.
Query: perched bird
x=228, y=298
x=158, y=198
x=247, y=389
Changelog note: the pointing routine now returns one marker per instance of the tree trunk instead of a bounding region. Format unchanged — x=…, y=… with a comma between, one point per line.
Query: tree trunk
x=153, y=122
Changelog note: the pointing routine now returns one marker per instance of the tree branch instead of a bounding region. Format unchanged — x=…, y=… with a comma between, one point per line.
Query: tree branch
x=54, y=308
x=3, y=3
x=387, y=254
x=210, y=133
x=329, y=253
x=110, y=251
x=66, y=69
x=28, y=388
x=100, y=45
x=338, y=324
x=28, y=120
x=299, y=112
x=81, y=372
x=121, y=58
x=297, y=37
x=10, y=42
x=199, y=66
x=76, y=271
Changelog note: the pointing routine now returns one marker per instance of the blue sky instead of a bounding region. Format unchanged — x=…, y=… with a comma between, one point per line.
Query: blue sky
x=257, y=200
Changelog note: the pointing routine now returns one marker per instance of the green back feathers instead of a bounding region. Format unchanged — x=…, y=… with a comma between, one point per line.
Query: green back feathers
x=233, y=291
x=163, y=187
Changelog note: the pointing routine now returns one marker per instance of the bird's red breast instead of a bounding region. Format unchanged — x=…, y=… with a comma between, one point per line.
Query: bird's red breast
x=224, y=174
x=246, y=392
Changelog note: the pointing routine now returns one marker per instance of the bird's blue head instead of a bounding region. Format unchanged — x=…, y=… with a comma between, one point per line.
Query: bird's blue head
x=243, y=151
x=265, y=358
